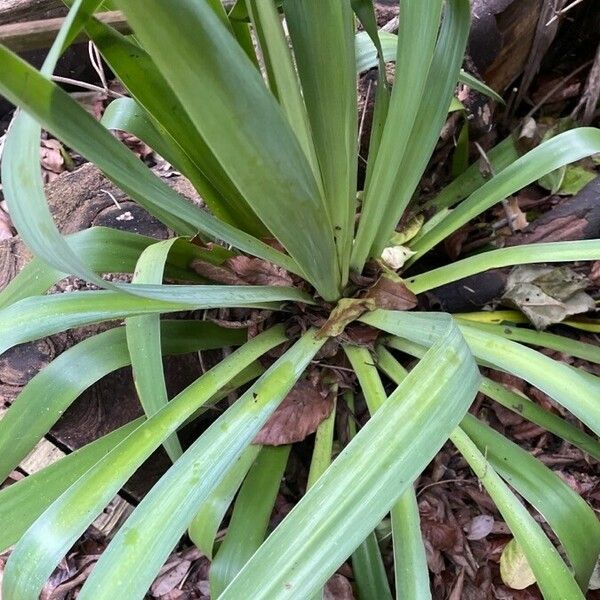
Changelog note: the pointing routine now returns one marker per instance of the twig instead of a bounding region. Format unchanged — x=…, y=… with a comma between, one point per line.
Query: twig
x=563, y=11
x=557, y=87
x=86, y=86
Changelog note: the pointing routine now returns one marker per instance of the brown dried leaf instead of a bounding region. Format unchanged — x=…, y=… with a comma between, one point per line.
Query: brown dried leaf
x=6, y=231
x=299, y=415
x=256, y=271
x=441, y=535
x=517, y=216
x=338, y=588
x=170, y=579
x=216, y=273
x=391, y=293
x=346, y=311
x=479, y=527
x=51, y=156
x=595, y=273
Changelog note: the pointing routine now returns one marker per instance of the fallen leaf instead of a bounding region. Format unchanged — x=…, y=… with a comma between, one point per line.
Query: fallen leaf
x=514, y=568
x=345, y=311
x=517, y=216
x=338, y=588
x=547, y=295
x=299, y=415
x=395, y=256
x=391, y=293
x=256, y=271
x=52, y=159
x=595, y=273
x=479, y=527
x=170, y=579
x=441, y=535
x=5, y=226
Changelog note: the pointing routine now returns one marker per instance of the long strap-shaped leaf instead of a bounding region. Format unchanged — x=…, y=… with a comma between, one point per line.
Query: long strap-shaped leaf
x=415, y=53
x=573, y=521
x=569, y=516
x=250, y=518
x=39, y=316
x=185, y=146
x=367, y=564
x=143, y=341
x=513, y=401
x=49, y=393
x=283, y=77
x=64, y=117
x=243, y=125
x=203, y=529
x=552, y=154
x=322, y=35
x=413, y=124
x=504, y=257
x=544, y=339
x=411, y=572
x=575, y=390
x=139, y=549
x=553, y=577
x=24, y=501
x=106, y=251
x=366, y=479
x=42, y=547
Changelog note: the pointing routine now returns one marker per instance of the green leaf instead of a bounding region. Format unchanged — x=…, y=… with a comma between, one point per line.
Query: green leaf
x=243, y=125
x=410, y=561
x=573, y=521
x=500, y=156
x=558, y=151
x=366, y=479
x=575, y=390
x=283, y=78
x=66, y=119
x=250, y=517
x=24, y=501
x=411, y=572
x=504, y=257
x=323, y=448
x=424, y=69
x=516, y=402
x=106, y=251
x=369, y=571
x=553, y=578
x=41, y=548
x=540, y=338
x=143, y=341
x=140, y=548
x=322, y=35
x=49, y=393
x=203, y=529
x=367, y=564
x=39, y=316
x=367, y=57
x=166, y=114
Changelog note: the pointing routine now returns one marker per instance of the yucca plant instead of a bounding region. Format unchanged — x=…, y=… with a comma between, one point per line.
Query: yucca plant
x=267, y=133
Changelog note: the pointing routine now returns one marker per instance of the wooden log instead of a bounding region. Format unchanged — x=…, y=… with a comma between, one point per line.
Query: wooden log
x=32, y=35
x=13, y=11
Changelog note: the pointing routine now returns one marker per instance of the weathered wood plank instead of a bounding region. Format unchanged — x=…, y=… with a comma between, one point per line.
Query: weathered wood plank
x=32, y=35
